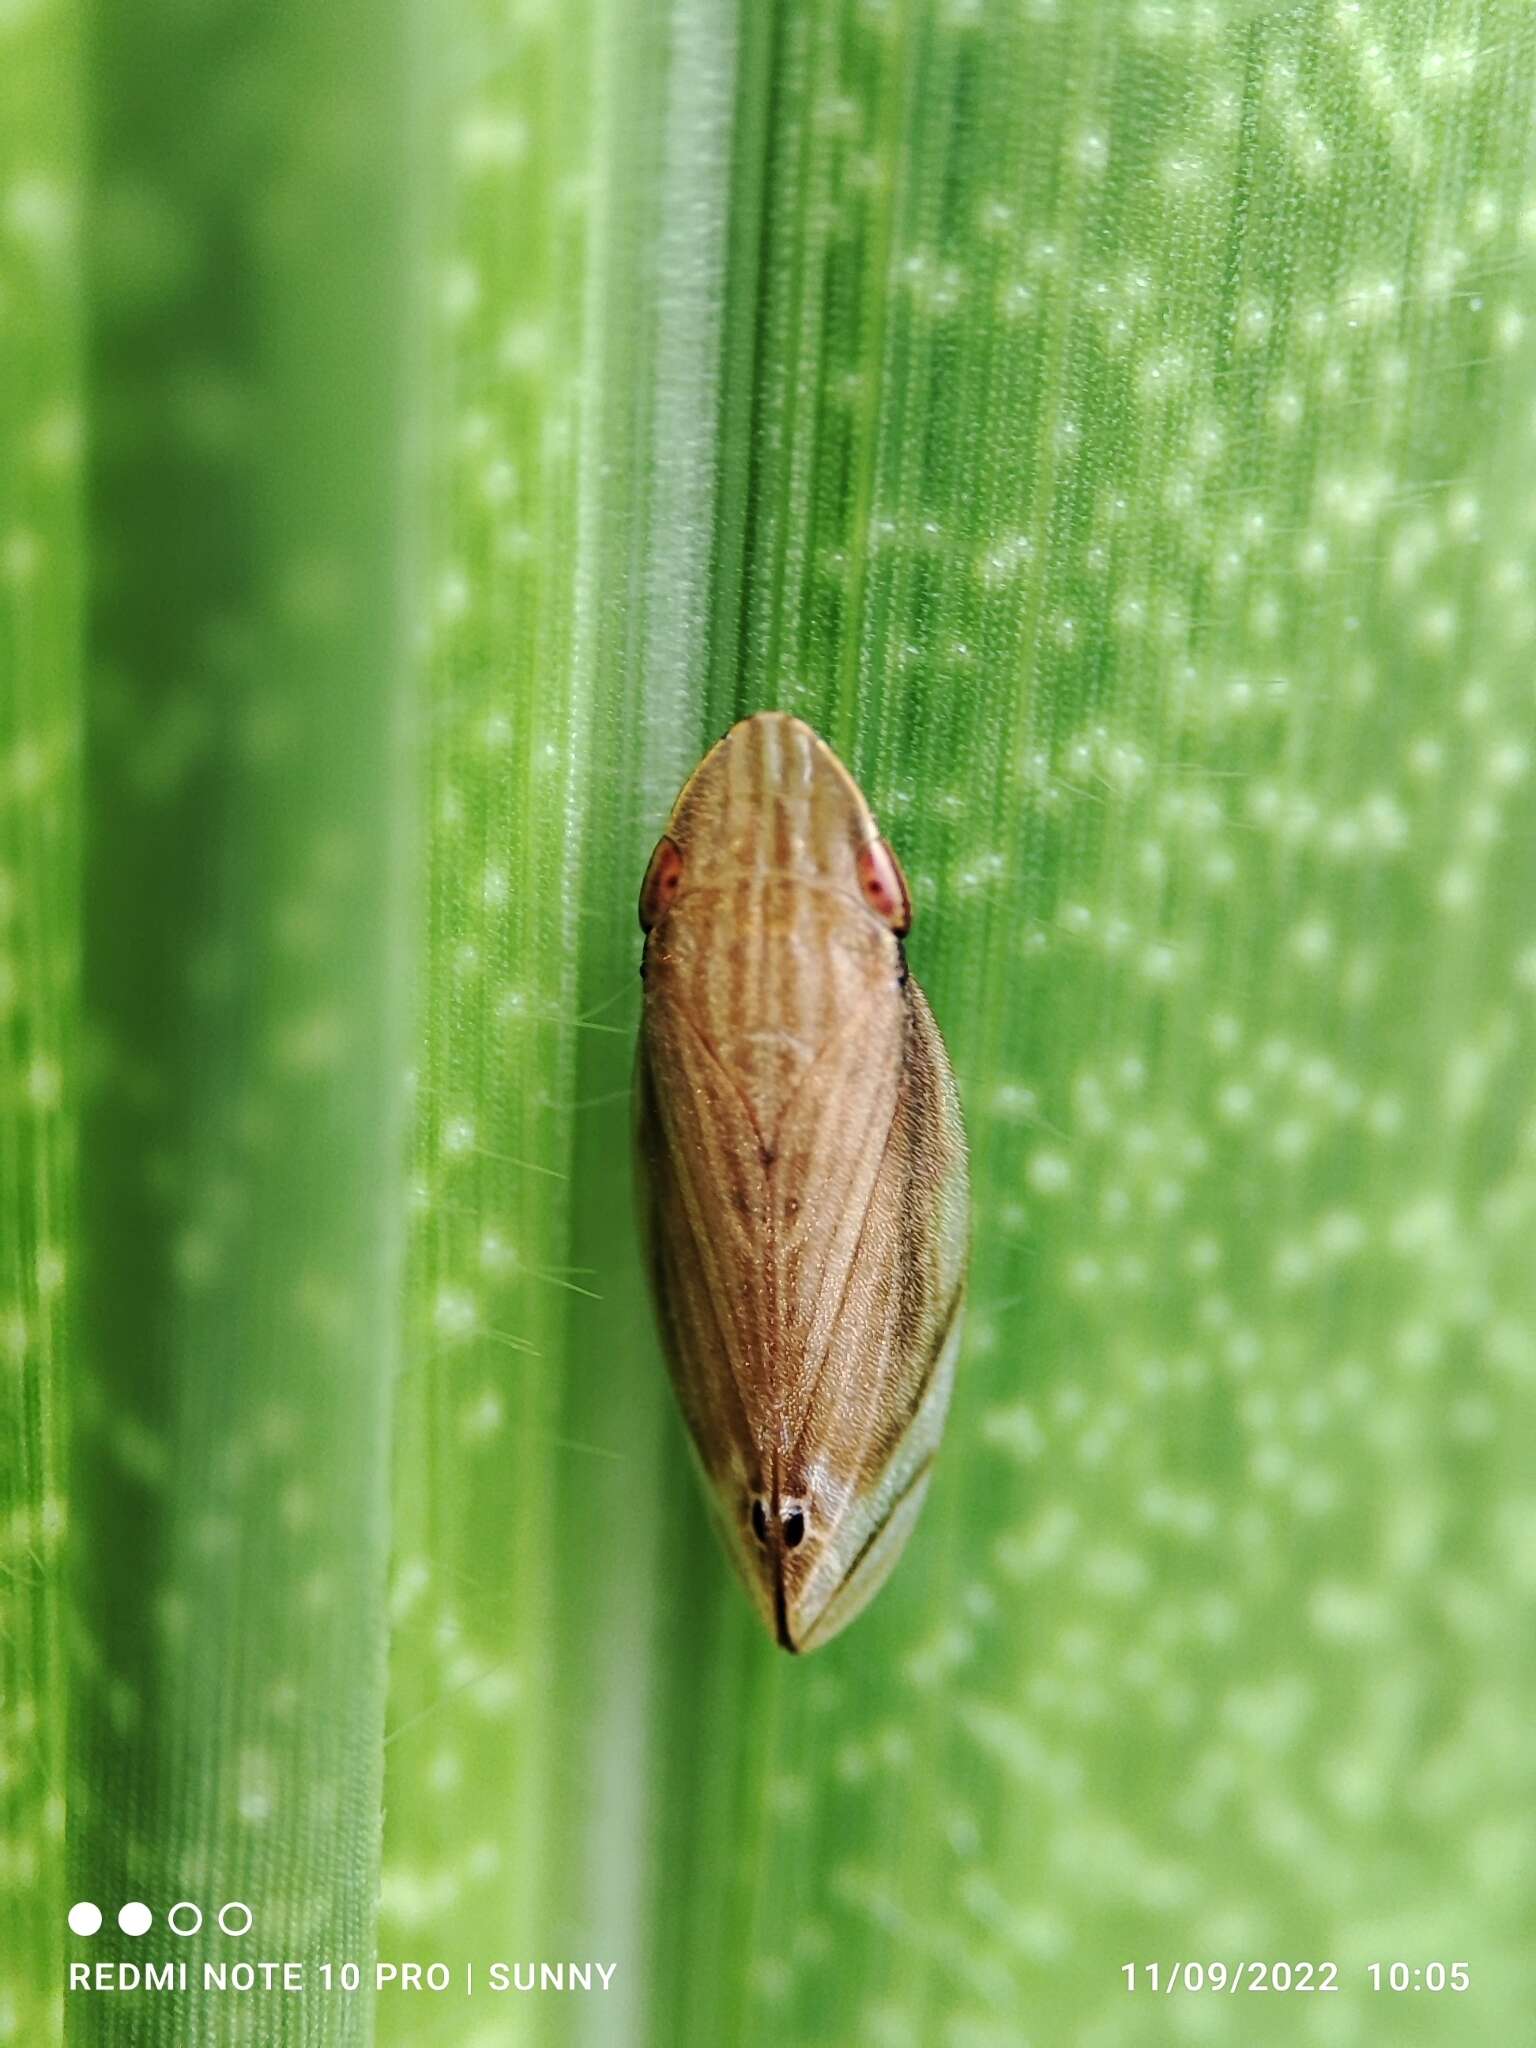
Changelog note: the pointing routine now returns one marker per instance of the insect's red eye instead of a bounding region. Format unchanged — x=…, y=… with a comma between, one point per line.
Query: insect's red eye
x=661, y=880
x=885, y=886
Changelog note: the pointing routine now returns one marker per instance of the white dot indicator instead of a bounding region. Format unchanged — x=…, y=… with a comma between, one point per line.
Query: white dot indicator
x=84, y=1918
x=135, y=1917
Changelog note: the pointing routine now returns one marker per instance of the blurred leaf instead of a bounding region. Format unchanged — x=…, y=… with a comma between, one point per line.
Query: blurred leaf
x=248, y=826
x=40, y=566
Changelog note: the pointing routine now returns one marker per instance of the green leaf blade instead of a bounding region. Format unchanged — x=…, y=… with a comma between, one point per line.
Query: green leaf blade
x=40, y=628
x=245, y=990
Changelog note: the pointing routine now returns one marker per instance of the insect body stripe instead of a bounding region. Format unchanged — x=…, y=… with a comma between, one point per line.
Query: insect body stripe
x=706, y=1230
x=847, y=1282
x=884, y=1523
x=670, y=1294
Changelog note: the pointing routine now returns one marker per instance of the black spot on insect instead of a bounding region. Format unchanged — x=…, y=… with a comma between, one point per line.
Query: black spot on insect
x=794, y=1529
x=759, y=1521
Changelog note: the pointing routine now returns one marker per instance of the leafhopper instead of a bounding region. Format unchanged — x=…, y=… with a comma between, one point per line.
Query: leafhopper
x=802, y=1170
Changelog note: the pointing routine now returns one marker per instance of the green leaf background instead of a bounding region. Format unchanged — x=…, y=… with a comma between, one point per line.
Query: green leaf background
x=1111, y=424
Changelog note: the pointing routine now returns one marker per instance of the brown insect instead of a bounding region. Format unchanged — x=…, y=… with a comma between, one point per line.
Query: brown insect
x=803, y=1172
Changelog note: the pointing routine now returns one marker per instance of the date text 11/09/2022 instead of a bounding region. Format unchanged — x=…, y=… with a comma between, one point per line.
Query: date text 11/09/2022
x=1285, y=1976
x=347, y=1977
